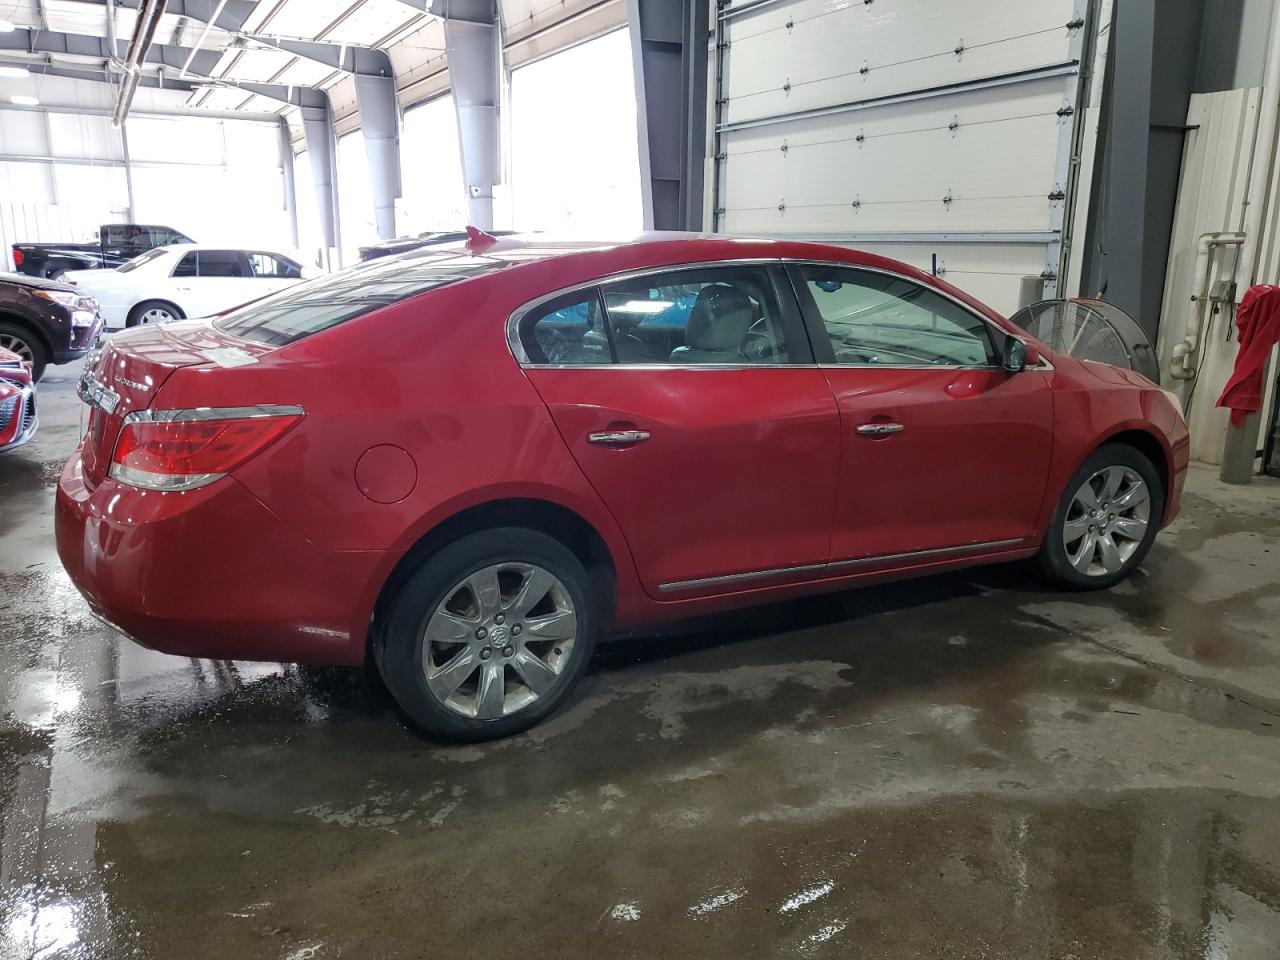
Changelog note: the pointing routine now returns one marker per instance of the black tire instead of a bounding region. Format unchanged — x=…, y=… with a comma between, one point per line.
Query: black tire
x=135, y=315
x=1054, y=558
x=27, y=345
x=400, y=649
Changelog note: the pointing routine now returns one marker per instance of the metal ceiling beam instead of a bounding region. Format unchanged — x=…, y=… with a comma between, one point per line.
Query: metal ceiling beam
x=96, y=74
x=234, y=12
x=360, y=61
x=469, y=11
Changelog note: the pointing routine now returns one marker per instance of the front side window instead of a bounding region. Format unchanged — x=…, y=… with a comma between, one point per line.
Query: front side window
x=223, y=263
x=718, y=315
x=880, y=319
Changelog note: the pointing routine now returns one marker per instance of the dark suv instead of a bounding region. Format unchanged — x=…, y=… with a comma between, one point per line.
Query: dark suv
x=44, y=321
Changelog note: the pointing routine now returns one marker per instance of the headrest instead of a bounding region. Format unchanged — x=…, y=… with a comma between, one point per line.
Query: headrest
x=720, y=318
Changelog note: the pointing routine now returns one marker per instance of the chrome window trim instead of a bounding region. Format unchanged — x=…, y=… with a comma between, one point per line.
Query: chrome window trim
x=522, y=358
x=513, y=321
x=841, y=564
x=215, y=413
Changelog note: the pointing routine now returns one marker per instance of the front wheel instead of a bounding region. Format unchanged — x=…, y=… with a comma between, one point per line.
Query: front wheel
x=27, y=346
x=489, y=636
x=1106, y=521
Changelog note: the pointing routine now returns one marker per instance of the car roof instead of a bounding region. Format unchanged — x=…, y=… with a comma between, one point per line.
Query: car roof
x=573, y=260
x=188, y=247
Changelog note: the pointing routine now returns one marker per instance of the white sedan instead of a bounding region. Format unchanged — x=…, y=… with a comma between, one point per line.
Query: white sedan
x=184, y=280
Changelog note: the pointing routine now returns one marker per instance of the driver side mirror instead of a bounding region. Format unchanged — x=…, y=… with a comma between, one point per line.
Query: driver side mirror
x=1016, y=357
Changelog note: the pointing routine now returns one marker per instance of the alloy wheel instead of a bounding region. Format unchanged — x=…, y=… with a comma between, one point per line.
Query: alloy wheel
x=15, y=344
x=499, y=640
x=156, y=315
x=1106, y=521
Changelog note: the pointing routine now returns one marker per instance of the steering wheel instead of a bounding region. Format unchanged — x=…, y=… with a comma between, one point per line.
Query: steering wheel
x=758, y=343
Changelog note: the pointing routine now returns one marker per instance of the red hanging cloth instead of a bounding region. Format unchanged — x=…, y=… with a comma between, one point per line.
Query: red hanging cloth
x=1259, y=331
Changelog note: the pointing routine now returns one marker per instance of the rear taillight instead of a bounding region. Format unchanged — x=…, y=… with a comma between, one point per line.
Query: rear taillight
x=186, y=449
x=17, y=257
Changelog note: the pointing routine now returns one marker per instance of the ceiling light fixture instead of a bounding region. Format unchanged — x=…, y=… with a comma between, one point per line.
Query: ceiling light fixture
x=6, y=26
x=14, y=72
x=23, y=100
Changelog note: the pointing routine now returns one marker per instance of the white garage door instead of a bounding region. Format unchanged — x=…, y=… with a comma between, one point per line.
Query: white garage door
x=915, y=128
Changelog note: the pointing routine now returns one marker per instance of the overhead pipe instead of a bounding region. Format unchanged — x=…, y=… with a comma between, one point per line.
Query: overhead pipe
x=1182, y=364
x=144, y=32
x=1262, y=160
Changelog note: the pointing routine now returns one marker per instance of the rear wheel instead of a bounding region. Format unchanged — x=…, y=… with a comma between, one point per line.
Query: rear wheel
x=489, y=636
x=1106, y=521
x=153, y=311
x=30, y=348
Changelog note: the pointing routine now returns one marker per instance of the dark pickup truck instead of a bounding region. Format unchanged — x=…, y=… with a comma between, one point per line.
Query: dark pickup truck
x=116, y=243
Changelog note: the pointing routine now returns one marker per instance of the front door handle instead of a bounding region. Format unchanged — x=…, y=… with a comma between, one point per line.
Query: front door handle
x=618, y=438
x=879, y=429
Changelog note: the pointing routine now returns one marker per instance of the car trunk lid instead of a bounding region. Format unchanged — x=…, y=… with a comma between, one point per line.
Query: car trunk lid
x=131, y=367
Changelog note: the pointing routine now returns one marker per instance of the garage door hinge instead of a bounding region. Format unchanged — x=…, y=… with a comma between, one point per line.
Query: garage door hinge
x=1047, y=274
x=946, y=201
x=1075, y=24
x=1066, y=110
x=960, y=48
x=856, y=203
x=954, y=125
x=860, y=138
x=784, y=148
x=1058, y=194
x=722, y=156
x=864, y=70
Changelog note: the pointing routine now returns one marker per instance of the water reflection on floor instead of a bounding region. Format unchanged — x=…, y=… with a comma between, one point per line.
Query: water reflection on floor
x=960, y=767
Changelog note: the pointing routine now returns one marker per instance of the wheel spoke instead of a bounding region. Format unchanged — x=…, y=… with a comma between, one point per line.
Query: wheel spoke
x=1133, y=497
x=534, y=671
x=1082, y=560
x=1130, y=527
x=1073, y=530
x=561, y=625
x=446, y=627
x=484, y=587
x=491, y=694
x=1111, y=559
x=446, y=679
x=537, y=582
x=1113, y=477
x=1087, y=497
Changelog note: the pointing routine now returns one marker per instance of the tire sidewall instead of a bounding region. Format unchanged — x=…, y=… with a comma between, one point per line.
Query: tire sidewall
x=399, y=648
x=1053, y=554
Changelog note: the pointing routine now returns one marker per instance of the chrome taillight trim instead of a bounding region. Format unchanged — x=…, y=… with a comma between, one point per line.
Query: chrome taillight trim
x=190, y=414
x=163, y=482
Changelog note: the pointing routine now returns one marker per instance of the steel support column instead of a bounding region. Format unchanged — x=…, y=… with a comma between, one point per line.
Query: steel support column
x=473, y=43
x=380, y=124
x=669, y=53
x=287, y=182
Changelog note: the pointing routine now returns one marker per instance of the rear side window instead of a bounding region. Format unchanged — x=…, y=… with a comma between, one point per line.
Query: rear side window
x=269, y=265
x=315, y=305
x=186, y=266
x=223, y=263
x=568, y=331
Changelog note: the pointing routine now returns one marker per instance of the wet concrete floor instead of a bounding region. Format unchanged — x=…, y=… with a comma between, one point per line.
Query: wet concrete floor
x=966, y=766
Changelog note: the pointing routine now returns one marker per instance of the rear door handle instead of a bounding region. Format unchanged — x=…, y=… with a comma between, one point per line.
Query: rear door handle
x=879, y=429
x=618, y=438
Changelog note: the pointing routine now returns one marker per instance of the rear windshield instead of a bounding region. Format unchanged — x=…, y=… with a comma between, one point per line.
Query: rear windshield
x=307, y=308
x=136, y=262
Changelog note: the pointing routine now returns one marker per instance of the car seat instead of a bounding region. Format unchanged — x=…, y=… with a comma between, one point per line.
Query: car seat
x=718, y=324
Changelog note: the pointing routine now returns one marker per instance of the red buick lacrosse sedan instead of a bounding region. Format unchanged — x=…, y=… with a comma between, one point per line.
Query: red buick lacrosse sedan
x=472, y=461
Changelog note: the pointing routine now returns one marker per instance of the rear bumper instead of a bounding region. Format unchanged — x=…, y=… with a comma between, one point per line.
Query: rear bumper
x=210, y=573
